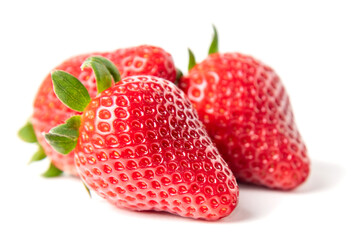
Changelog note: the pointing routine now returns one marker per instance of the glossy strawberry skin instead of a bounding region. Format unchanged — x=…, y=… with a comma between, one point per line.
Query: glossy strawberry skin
x=50, y=112
x=142, y=147
x=248, y=115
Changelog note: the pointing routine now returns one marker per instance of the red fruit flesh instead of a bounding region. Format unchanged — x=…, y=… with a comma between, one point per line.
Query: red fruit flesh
x=142, y=147
x=50, y=112
x=247, y=113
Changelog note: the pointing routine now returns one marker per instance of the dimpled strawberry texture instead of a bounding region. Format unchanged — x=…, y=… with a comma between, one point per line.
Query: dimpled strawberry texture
x=247, y=112
x=142, y=147
x=50, y=112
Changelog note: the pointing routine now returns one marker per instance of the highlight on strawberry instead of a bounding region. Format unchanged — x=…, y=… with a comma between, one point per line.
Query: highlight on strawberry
x=140, y=145
x=247, y=113
x=49, y=111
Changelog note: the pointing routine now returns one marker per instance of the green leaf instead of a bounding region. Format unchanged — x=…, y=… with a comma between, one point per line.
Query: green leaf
x=27, y=133
x=214, y=45
x=39, y=155
x=192, y=60
x=70, y=91
x=52, y=171
x=63, y=138
x=103, y=69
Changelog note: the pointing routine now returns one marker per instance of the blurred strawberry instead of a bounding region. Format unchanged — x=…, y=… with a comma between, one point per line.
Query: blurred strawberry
x=247, y=113
x=49, y=111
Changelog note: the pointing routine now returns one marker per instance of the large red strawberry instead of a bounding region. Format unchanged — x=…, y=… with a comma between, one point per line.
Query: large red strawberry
x=247, y=113
x=49, y=112
x=140, y=145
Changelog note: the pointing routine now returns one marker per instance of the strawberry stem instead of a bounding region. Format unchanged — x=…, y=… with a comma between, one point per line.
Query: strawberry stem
x=103, y=69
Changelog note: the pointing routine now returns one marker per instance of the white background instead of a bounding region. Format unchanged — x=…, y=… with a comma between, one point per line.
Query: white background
x=313, y=46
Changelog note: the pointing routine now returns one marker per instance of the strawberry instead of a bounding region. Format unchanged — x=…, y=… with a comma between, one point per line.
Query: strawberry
x=139, y=144
x=49, y=111
x=247, y=113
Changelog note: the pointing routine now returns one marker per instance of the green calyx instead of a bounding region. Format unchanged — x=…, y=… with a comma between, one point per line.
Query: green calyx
x=70, y=91
x=63, y=138
x=103, y=69
x=52, y=171
x=212, y=49
x=192, y=60
x=27, y=134
x=74, y=95
x=214, y=44
x=38, y=155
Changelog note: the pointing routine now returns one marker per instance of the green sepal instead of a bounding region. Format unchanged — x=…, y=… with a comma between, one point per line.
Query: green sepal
x=214, y=45
x=103, y=69
x=63, y=138
x=52, y=171
x=27, y=133
x=87, y=189
x=70, y=90
x=192, y=60
x=39, y=155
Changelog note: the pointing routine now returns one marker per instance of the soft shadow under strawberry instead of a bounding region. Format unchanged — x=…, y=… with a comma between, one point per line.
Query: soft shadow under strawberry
x=323, y=176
